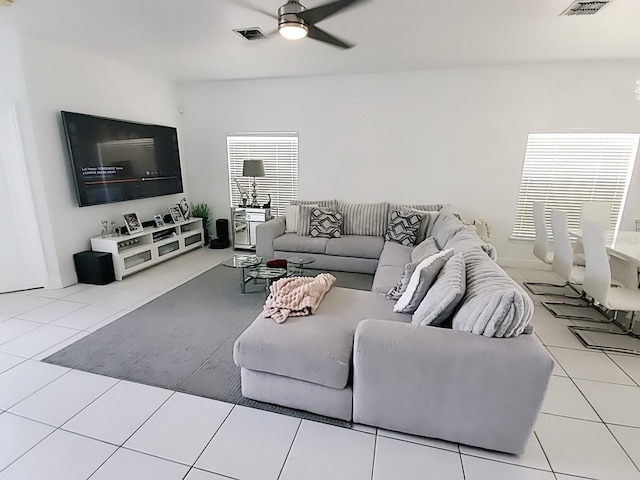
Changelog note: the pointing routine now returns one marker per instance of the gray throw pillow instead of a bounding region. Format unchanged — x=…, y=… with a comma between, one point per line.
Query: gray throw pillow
x=325, y=223
x=445, y=295
x=403, y=229
x=399, y=288
x=424, y=249
x=423, y=277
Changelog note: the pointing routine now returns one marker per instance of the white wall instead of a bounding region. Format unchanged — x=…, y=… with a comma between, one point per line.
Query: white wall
x=455, y=136
x=61, y=77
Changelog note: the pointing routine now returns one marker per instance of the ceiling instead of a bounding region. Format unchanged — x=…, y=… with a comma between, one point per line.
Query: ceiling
x=193, y=39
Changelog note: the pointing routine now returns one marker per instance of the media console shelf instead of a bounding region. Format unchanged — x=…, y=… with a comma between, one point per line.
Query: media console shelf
x=132, y=253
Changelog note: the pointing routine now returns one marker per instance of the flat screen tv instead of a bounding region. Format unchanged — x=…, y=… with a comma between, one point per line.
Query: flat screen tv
x=114, y=160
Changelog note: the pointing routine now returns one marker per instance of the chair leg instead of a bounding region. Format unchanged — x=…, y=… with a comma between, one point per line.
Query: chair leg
x=554, y=289
x=632, y=347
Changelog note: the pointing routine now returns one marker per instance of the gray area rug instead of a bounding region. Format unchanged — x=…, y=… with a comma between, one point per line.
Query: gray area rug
x=183, y=340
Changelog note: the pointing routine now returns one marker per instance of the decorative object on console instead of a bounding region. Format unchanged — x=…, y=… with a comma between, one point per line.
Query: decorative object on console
x=268, y=204
x=185, y=209
x=244, y=196
x=403, y=229
x=421, y=280
x=253, y=168
x=325, y=223
x=277, y=263
x=132, y=222
x=202, y=210
x=176, y=214
x=158, y=220
x=105, y=228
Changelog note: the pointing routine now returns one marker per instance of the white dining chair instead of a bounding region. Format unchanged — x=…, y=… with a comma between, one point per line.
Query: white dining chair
x=573, y=275
x=597, y=285
x=599, y=212
x=542, y=252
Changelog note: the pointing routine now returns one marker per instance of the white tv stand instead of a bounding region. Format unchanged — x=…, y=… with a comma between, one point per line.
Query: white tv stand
x=132, y=253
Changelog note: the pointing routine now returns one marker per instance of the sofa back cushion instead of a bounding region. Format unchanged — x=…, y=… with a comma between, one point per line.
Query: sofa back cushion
x=363, y=218
x=493, y=305
x=448, y=227
x=424, y=249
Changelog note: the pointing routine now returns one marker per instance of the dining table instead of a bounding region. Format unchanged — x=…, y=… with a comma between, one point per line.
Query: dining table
x=623, y=247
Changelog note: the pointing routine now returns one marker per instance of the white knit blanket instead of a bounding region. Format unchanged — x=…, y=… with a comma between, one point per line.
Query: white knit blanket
x=296, y=296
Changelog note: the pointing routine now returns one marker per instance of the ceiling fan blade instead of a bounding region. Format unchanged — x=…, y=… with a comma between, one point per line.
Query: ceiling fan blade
x=317, y=14
x=319, y=34
x=252, y=7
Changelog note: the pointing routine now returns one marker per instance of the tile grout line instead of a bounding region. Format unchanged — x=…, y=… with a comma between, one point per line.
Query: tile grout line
x=544, y=452
x=290, y=448
x=614, y=361
x=373, y=460
x=213, y=436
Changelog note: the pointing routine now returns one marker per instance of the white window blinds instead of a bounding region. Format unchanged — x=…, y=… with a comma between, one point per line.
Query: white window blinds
x=279, y=155
x=563, y=170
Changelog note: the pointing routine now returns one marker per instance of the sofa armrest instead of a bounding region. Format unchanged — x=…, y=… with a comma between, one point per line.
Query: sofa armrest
x=447, y=384
x=266, y=233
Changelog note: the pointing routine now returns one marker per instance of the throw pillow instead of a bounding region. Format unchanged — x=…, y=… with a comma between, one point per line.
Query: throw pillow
x=396, y=292
x=421, y=280
x=444, y=296
x=304, y=219
x=292, y=217
x=363, y=218
x=428, y=219
x=325, y=223
x=403, y=229
x=424, y=249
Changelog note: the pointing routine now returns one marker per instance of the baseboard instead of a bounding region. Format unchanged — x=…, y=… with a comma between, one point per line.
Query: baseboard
x=521, y=263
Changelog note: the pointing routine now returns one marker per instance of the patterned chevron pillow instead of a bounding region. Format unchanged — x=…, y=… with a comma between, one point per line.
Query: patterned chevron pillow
x=325, y=223
x=403, y=228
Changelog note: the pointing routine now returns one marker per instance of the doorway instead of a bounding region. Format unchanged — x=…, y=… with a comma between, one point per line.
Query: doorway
x=21, y=254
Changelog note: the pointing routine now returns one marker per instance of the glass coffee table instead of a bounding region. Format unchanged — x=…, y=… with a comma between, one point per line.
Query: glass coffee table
x=268, y=274
x=298, y=264
x=244, y=263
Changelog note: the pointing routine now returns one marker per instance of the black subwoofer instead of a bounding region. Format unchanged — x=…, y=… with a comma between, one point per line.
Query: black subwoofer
x=95, y=268
x=222, y=230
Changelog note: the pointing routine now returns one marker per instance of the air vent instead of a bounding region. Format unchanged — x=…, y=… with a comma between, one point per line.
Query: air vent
x=583, y=7
x=250, y=33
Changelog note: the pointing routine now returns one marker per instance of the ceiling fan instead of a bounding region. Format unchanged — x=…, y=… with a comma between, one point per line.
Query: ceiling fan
x=295, y=21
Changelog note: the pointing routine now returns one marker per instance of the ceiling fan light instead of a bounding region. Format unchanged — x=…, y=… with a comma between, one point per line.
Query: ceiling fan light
x=293, y=31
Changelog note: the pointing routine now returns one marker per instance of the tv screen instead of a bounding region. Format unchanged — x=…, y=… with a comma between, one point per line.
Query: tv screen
x=115, y=161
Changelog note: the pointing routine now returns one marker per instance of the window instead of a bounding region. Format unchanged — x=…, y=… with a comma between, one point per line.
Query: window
x=563, y=170
x=279, y=154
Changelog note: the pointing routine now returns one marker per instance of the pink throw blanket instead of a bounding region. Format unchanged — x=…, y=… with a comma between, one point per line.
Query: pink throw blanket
x=297, y=296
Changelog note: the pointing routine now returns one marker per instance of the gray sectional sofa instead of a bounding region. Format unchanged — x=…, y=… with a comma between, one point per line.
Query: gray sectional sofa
x=357, y=360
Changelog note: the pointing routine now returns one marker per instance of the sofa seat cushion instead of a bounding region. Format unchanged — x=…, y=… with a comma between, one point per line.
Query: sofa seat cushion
x=292, y=242
x=359, y=246
x=317, y=348
x=387, y=276
x=395, y=255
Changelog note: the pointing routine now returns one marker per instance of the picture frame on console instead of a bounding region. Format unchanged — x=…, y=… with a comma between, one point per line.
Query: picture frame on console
x=176, y=214
x=185, y=208
x=133, y=223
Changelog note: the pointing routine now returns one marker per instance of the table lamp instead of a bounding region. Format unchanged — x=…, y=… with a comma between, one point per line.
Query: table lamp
x=253, y=168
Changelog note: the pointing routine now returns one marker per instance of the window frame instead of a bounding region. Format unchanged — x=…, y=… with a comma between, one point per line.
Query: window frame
x=281, y=159
x=522, y=227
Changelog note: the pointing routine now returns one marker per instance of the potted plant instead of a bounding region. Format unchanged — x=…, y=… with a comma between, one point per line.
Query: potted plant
x=202, y=210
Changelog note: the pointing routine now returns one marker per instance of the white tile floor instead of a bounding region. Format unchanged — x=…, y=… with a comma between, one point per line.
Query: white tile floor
x=57, y=423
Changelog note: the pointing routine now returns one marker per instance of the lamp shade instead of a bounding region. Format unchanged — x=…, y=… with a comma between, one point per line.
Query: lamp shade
x=252, y=168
